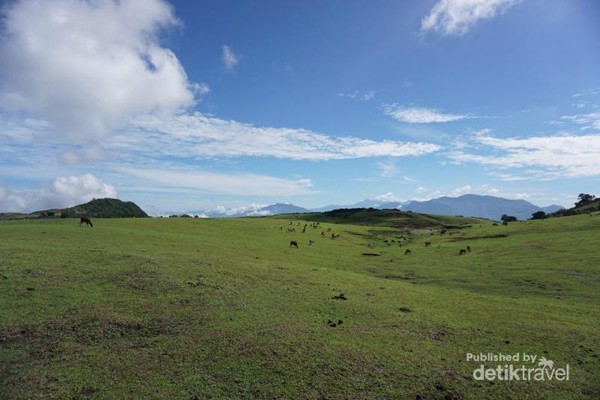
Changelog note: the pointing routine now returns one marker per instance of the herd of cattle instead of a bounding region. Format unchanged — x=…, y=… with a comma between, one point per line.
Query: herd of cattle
x=316, y=225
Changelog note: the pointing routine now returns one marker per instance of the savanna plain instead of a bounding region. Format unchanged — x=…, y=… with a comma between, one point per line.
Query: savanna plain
x=196, y=308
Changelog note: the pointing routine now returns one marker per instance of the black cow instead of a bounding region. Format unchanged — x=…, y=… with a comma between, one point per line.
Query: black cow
x=427, y=244
x=293, y=243
x=462, y=252
x=86, y=221
x=407, y=252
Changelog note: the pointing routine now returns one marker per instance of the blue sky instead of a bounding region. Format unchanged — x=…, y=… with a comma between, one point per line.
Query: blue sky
x=232, y=105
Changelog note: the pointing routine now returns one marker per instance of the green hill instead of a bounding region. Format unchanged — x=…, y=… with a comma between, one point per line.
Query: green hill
x=105, y=208
x=388, y=218
x=580, y=208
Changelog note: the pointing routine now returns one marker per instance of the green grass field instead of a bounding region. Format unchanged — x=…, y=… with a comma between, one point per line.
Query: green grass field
x=202, y=308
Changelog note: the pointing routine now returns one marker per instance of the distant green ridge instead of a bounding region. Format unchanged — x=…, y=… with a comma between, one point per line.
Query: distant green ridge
x=390, y=218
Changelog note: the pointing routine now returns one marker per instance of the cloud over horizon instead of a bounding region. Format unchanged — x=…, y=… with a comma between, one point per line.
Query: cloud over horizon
x=545, y=157
x=62, y=192
x=241, y=184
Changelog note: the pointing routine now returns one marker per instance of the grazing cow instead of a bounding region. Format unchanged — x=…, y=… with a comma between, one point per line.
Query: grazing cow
x=86, y=221
x=469, y=249
x=462, y=252
x=291, y=229
x=310, y=242
x=293, y=243
x=427, y=244
x=322, y=234
x=407, y=252
x=443, y=231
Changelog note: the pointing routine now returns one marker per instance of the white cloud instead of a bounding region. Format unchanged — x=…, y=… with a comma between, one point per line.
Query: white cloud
x=365, y=96
x=230, y=59
x=457, y=17
x=544, y=157
x=388, y=198
x=590, y=120
x=240, y=184
x=461, y=190
x=387, y=168
x=420, y=115
x=63, y=192
x=196, y=135
x=86, y=66
x=587, y=92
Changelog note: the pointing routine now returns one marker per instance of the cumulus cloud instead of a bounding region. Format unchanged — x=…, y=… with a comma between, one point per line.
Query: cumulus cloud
x=544, y=157
x=197, y=135
x=457, y=17
x=420, y=115
x=230, y=59
x=86, y=66
x=63, y=192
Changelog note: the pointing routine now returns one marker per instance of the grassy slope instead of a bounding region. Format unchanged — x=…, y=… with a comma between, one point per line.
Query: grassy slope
x=394, y=218
x=158, y=308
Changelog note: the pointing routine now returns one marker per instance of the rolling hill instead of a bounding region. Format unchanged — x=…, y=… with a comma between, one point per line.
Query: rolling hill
x=96, y=208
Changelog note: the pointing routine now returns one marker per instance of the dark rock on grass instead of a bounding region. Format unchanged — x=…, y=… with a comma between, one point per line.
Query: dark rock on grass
x=86, y=391
x=341, y=296
x=439, y=335
x=333, y=324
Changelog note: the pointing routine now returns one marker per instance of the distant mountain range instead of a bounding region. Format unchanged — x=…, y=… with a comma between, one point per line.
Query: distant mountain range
x=472, y=205
x=469, y=205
